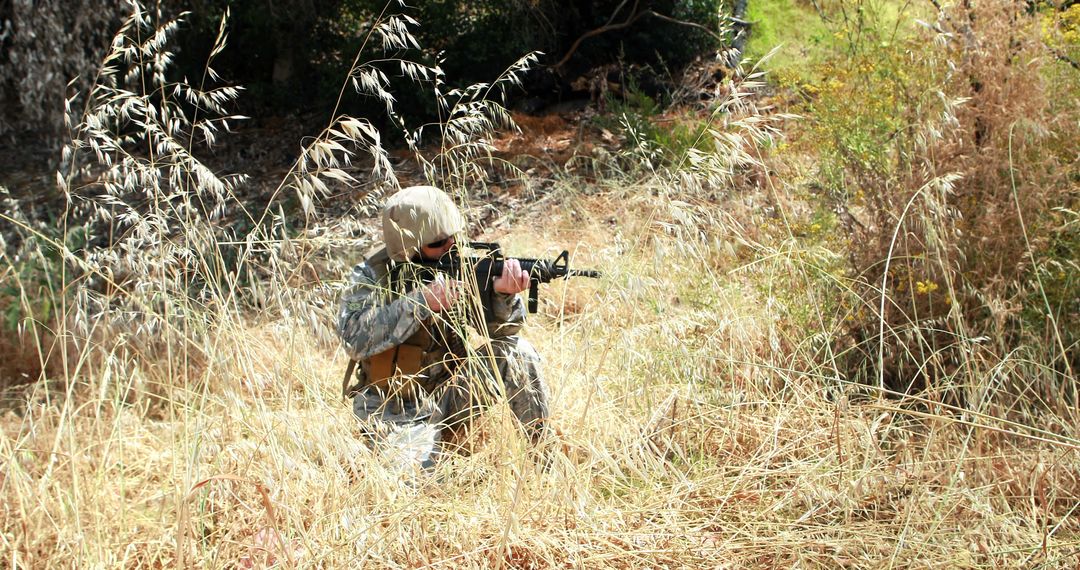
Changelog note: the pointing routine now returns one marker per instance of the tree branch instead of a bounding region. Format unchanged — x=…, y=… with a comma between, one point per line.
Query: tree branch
x=1062, y=56
x=633, y=17
x=714, y=35
x=821, y=13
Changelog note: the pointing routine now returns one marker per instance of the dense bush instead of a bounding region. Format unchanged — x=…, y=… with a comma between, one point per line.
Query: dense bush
x=44, y=45
x=951, y=168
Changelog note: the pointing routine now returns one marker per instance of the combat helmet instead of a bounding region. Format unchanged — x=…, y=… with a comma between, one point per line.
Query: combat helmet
x=418, y=215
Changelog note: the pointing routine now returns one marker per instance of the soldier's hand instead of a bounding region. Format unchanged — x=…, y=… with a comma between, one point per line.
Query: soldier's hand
x=441, y=293
x=513, y=280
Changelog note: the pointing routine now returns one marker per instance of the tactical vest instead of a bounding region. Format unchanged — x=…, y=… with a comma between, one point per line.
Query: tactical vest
x=403, y=369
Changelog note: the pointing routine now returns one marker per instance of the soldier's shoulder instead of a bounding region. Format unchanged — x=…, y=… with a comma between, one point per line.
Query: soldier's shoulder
x=374, y=266
x=377, y=255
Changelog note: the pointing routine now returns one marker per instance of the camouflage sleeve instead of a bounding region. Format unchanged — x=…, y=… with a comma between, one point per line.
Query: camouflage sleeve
x=373, y=320
x=509, y=315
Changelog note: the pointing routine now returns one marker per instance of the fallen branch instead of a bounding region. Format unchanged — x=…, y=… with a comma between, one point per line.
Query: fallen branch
x=1062, y=56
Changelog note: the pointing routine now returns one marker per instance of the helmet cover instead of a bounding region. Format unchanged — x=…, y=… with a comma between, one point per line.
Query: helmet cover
x=418, y=215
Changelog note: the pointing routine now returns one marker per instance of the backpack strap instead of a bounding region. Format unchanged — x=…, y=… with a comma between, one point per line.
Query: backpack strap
x=377, y=260
x=347, y=391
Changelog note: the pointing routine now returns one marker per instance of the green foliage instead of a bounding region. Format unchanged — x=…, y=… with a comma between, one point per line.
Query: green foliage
x=802, y=38
x=1051, y=293
x=482, y=38
x=290, y=54
x=26, y=279
x=861, y=108
x=1061, y=29
x=656, y=136
x=937, y=150
x=32, y=285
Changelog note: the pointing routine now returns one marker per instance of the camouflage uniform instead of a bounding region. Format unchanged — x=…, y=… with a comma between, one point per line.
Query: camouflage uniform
x=455, y=381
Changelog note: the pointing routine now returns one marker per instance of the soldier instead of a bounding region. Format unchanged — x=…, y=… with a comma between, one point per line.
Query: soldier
x=419, y=384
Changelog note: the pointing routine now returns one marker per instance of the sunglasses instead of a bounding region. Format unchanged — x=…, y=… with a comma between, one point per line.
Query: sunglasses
x=438, y=244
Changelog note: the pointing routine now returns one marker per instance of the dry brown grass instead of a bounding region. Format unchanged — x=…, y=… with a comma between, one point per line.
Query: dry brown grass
x=702, y=418
x=685, y=441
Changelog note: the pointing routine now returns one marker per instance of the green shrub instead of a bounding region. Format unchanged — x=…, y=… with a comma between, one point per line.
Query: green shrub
x=940, y=147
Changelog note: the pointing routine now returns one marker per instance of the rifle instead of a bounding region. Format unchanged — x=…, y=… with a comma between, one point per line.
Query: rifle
x=486, y=268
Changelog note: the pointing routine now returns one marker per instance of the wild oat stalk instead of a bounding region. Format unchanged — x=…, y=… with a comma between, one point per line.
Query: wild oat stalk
x=152, y=207
x=701, y=423
x=468, y=118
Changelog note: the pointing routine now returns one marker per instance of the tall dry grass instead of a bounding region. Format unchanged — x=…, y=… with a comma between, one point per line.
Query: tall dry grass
x=195, y=418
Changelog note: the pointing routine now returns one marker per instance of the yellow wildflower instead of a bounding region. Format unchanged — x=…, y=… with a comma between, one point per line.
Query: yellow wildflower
x=925, y=287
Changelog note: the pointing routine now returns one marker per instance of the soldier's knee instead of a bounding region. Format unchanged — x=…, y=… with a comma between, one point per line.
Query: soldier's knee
x=517, y=354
